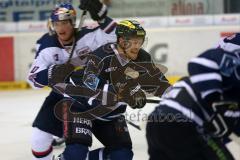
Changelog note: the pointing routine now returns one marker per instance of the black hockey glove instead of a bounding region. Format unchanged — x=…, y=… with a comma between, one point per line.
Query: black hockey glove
x=97, y=10
x=58, y=73
x=133, y=96
x=138, y=99
x=225, y=117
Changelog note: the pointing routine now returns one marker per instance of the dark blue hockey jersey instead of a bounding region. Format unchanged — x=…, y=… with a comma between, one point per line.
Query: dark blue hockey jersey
x=107, y=71
x=220, y=119
x=216, y=72
x=111, y=68
x=214, y=77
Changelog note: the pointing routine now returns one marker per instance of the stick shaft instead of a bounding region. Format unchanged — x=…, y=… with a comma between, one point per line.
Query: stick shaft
x=133, y=124
x=82, y=18
x=153, y=101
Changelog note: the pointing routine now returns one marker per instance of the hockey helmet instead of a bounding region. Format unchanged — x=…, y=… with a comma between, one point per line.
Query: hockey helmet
x=130, y=28
x=64, y=11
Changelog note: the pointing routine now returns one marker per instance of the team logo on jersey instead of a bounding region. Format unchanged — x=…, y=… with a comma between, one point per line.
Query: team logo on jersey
x=228, y=65
x=233, y=114
x=91, y=81
x=110, y=69
x=84, y=50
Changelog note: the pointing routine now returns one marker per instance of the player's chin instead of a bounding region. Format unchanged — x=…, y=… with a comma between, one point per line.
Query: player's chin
x=65, y=38
x=133, y=56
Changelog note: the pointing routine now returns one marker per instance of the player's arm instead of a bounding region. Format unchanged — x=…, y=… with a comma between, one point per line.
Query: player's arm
x=225, y=119
x=86, y=83
x=152, y=80
x=106, y=90
x=44, y=70
x=205, y=75
x=106, y=29
x=98, y=12
x=38, y=74
x=105, y=94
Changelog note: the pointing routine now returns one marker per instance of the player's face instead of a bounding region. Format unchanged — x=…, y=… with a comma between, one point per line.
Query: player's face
x=64, y=30
x=132, y=47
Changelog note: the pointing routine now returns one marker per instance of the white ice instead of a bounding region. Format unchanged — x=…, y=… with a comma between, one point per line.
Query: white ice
x=18, y=109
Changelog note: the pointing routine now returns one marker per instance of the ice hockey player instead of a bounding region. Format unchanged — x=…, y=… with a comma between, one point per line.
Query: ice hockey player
x=53, y=51
x=124, y=69
x=200, y=111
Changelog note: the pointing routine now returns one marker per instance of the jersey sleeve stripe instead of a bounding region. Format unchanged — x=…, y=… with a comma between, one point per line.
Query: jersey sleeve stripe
x=230, y=47
x=187, y=112
x=108, y=26
x=205, y=77
x=205, y=62
x=188, y=88
x=34, y=83
x=105, y=91
x=206, y=93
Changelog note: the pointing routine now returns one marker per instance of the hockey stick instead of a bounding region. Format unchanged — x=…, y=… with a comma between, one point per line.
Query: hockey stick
x=138, y=126
x=153, y=101
x=133, y=124
x=82, y=18
x=95, y=112
x=84, y=91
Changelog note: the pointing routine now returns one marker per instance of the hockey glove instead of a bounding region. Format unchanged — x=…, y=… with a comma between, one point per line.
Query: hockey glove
x=58, y=73
x=225, y=116
x=97, y=10
x=134, y=97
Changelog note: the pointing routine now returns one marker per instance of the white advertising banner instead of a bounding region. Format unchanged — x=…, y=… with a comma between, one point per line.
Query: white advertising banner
x=190, y=21
x=171, y=44
x=6, y=27
x=172, y=47
x=226, y=19
x=32, y=27
x=147, y=22
x=24, y=53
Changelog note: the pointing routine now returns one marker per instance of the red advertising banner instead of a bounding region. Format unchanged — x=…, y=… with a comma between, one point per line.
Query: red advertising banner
x=6, y=59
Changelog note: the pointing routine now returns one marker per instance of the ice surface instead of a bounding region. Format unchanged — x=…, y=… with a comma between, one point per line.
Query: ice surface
x=18, y=109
